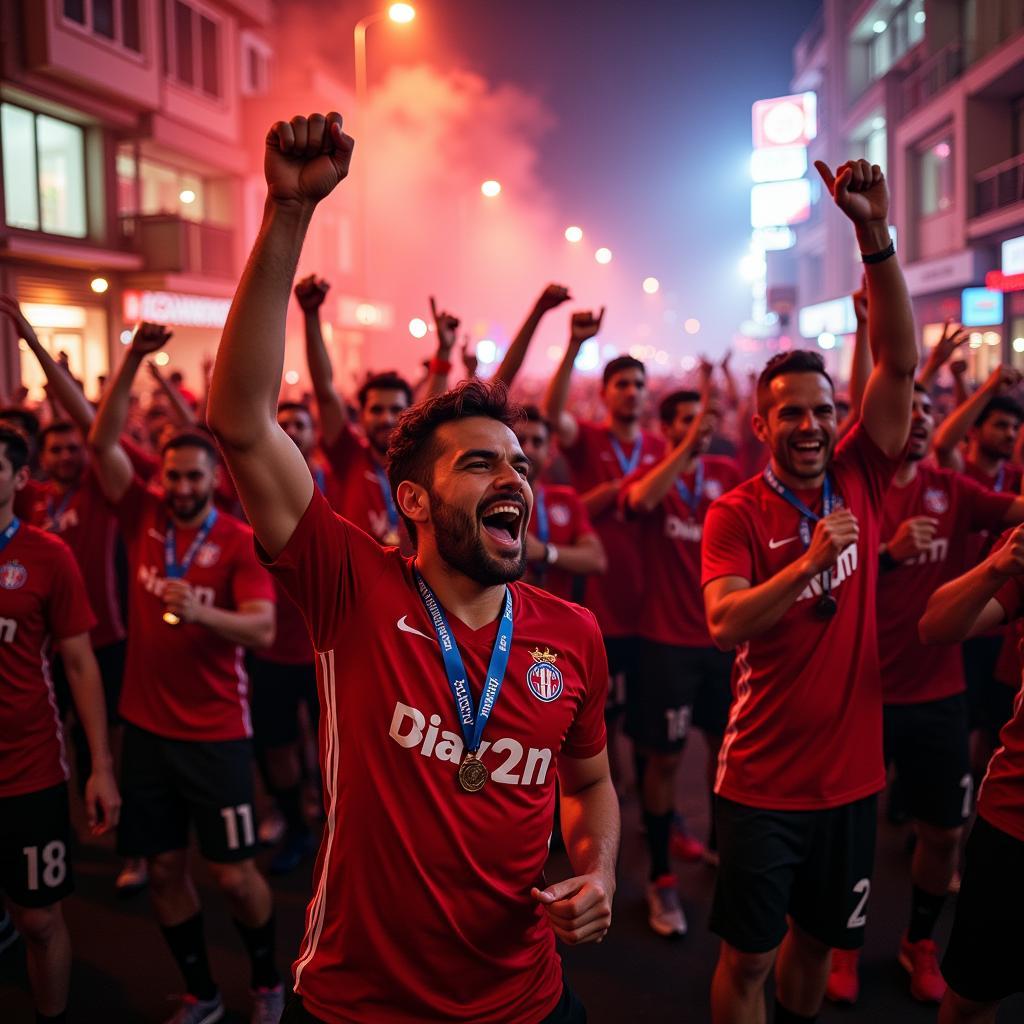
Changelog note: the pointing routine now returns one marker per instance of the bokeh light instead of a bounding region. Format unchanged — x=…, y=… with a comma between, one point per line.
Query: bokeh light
x=491, y=188
x=573, y=234
x=651, y=285
x=603, y=255
x=418, y=327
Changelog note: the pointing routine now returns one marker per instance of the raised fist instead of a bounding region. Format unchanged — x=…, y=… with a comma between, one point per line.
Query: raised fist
x=912, y=537
x=552, y=296
x=832, y=535
x=148, y=338
x=305, y=158
x=584, y=325
x=1008, y=560
x=447, y=324
x=311, y=292
x=858, y=188
x=1002, y=379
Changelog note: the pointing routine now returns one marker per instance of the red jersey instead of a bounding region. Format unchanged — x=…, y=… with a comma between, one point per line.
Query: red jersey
x=913, y=672
x=805, y=726
x=1001, y=798
x=85, y=521
x=616, y=596
x=567, y=521
x=673, y=603
x=42, y=599
x=186, y=682
x=422, y=908
x=26, y=498
x=357, y=484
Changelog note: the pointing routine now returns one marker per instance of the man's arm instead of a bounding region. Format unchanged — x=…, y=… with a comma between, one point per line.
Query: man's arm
x=580, y=908
x=862, y=363
x=440, y=366
x=583, y=325
x=552, y=296
x=951, y=434
x=584, y=556
x=305, y=160
x=113, y=467
x=650, y=490
x=736, y=611
x=251, y=624
x=310, y=293
x=967, y=606
x=61, y=386
x=860, y=191
x=102, y=800
x=599, y=499
x=180, y=409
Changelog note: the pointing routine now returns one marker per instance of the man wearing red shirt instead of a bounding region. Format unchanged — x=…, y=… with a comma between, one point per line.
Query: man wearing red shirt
x=430, y=900
x=561, y=546
x=682, y=676
x=197, y=597
x=790, y=569
x=986, y=948
x=43, y=605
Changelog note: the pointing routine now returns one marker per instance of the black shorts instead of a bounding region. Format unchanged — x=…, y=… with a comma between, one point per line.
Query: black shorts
x=989, y=702
x=35, y=836
x=110, y=661
x=929, y=746
x=623, y=658
x=277, y=691
x=814, y=866
x=166, y=785
x=985, y=957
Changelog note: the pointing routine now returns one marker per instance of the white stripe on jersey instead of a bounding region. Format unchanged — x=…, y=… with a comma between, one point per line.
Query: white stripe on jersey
x=44, y=662
x=243, y=690
x=316, y=911
x=743, y=692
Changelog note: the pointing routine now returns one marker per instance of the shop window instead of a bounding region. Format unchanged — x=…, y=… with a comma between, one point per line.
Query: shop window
x=255, y=67
x=192, y=48
x=146, y=187
x=114, y=20
x=44, y=172
x=935, y=177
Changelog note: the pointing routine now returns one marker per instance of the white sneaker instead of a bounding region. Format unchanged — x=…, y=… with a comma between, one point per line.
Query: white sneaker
x=272, y=829
x=198, y=1011
x=665, y=911
x=134, y=876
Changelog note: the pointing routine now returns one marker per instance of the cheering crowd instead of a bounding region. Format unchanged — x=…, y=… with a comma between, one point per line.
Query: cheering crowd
x=457, y=600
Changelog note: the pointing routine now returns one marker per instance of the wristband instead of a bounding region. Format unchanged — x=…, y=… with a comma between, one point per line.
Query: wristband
x=879, y=257
x=550, y=554
x=439, y=366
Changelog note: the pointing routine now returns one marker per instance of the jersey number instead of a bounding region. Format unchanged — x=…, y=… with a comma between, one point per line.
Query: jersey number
x=55, y=868
x=967, y=785
x=858, y=918
x=677, y=723
x=231, y=816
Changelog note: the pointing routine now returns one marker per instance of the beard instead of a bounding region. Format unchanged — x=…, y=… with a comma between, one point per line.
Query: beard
x=186, y=509
x=459, y=543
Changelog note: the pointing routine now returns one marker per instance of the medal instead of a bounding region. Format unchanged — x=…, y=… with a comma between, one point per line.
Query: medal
x=175, y=570
x=826, y=606
x=390, y=539
x=171, y=619
x=473, y=775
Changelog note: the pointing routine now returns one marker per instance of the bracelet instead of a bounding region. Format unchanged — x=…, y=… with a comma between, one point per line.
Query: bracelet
x=550, y=554
x=879, y=257
x=439, y=366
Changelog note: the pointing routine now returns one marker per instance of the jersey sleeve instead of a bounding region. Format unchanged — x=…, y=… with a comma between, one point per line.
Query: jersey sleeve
x=987, y=509
x=342, y=451
x=858, y=453
x=587, y=735
x=131, y=509
x=250, y=581
x=1010, y=597
x=325, y=567
x=68, y=605
x=145, y=464
x=725, y=546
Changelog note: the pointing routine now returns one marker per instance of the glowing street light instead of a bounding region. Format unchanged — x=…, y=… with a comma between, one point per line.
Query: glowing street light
x=573, y=234
x=161, y=359
x=187, y=196
x=651, y=285
x=603, y=255
x=692, y=325
x=491, y=188
x=99, y=285
x=401, y=14
x=418, y=327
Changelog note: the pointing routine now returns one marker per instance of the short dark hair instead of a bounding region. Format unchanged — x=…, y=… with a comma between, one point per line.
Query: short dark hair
x=389, y=381
x=56, y=427
x=921, y=389
x=532, y=414
x=620, y=363
x=672, y=401
x=413, y=449
x=27, y=421
x=192, y=439
x=294, y=407
x=798, y=360
x=1001, y=403
x=16, y=446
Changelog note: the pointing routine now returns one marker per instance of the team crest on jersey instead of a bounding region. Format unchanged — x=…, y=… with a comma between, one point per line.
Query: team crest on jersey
x=560, y=515
x=543, y=678
x=936, y=501
x=207, y=555
x=13, y=575
x=713, y=489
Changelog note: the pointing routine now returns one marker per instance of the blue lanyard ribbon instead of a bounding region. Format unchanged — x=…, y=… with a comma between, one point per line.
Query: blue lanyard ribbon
x=692, y=498
x=176, y=570
x=627, y=465
x=319, y=478
x=1000, y=479
x=807, y=516
x=54, y=512
x=8, y=535
x=541, y=509
x=472, y=723
x=389, y=499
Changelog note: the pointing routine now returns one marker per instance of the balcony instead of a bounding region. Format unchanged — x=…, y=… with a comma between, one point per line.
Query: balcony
x=171, y=244
x=931, y=77
x=1000, y=186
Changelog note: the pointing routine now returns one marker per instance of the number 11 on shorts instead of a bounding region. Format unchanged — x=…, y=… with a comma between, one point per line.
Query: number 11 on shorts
x=231, y=816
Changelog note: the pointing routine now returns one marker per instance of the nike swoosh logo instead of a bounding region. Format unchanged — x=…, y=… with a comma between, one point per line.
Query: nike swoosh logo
x=406, y=628
x=156, y=536
x=773, y=544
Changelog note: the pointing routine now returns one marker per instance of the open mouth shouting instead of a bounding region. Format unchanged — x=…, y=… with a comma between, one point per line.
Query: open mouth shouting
x=503, y=523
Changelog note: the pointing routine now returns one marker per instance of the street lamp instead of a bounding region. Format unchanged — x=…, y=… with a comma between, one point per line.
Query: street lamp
x=491, y=188
x=573, y=233
x=401, y=14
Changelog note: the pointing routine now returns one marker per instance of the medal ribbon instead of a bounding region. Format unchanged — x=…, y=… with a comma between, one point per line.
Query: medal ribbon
x=54, y=512
x=389, y=500
x=627, y=465
x=319, y=478
x=8, y=535
x=176, y=570
x=541, y=509
x=692, y=498
x=472, y=723
x=1000, y=480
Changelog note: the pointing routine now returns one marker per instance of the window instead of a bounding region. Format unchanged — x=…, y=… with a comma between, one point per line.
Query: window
x=114, y=20
x=44, y=172
x=192, y=48
x=891, y=33
x=162, y=189
x=935, y=183
x=255, y=66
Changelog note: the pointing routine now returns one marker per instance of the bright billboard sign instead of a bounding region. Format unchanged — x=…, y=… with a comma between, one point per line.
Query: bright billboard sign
x=778, y=163
x=981, y=307
x=785, y=120
x=773, y=239
x=833, y=317
x=175, y=309
x=780, y=203
x=1013, y=255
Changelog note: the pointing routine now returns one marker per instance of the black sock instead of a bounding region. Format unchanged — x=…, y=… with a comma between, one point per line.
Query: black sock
x=784, y=1016
x=658, y=828
x=60, y=1018
x=259, y=943
x=925, y=908
x=289, y=801
x=188, y=947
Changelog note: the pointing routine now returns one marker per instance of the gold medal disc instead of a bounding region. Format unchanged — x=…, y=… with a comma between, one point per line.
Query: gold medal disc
x=472, y=774
x=171, y=619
